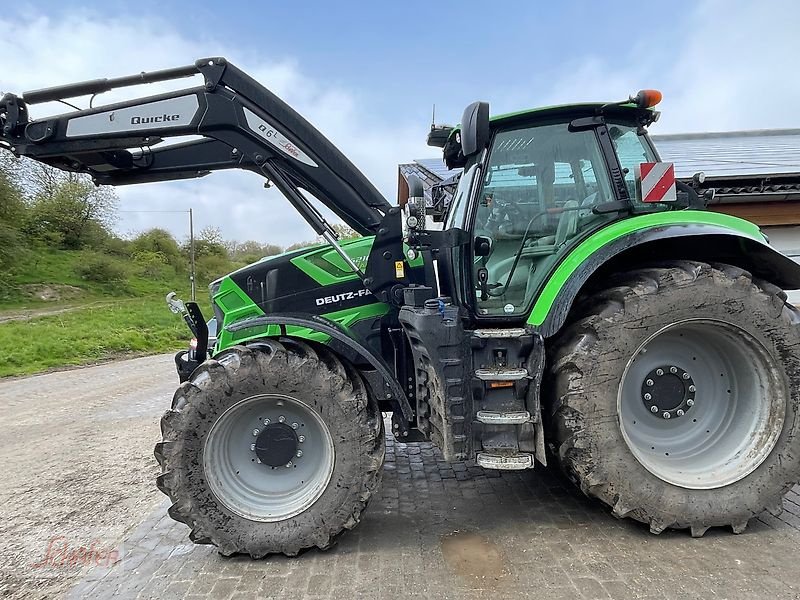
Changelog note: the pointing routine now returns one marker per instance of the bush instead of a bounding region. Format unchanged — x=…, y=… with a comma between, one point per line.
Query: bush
x=118, y=246
x=210, y=268
x=101, y=270
x=161, y=241
x=152, y=264
x=10, y=247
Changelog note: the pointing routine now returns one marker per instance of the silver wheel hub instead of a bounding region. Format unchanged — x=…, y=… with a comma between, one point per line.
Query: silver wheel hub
x=268, y=457
x=701, y=403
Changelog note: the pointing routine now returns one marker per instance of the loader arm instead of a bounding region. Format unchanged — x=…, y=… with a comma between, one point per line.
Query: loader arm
x=241, y=124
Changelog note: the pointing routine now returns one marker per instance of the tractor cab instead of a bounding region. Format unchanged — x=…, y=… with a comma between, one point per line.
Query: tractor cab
x=534, y=184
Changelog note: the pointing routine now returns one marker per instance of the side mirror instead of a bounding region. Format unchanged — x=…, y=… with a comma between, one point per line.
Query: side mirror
x=416, y=203
x=475, y=128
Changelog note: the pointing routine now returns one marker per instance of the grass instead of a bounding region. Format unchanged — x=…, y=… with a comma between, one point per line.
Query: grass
x=48, y=266
x=134, y=327
x=109, y=321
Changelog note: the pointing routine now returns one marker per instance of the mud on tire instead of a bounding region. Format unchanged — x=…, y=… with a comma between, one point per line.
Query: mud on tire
x=592, y=355
x=317, y=379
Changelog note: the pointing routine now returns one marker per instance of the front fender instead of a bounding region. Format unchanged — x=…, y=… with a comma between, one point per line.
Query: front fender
x=340, y=341
x=711, y=238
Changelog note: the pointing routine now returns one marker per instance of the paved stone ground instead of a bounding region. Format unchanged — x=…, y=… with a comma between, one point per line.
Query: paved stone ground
x=456, y=531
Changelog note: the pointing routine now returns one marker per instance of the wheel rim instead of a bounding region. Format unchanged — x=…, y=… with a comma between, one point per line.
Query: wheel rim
x=245, y=457
x=722, y=403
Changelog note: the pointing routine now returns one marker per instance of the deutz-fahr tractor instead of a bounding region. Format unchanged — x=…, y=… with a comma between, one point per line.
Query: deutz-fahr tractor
x=577, y=306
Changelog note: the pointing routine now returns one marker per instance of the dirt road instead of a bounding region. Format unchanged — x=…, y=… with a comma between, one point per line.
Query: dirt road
x=76, y=449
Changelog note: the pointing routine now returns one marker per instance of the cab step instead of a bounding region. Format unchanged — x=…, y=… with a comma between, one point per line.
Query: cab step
x=505, y=462
x=499, y=333
x=501, y=374
x=492, y=417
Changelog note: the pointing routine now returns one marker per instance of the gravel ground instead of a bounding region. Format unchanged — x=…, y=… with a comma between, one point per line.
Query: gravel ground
x=77, y=450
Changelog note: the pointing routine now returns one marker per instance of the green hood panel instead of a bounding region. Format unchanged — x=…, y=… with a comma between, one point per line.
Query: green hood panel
x=326, y=267
x=576, y=258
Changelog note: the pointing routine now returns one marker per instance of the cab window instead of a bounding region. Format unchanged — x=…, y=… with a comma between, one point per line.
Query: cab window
x=632, y=150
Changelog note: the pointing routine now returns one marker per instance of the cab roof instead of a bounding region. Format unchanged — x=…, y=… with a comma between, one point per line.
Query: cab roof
x=572, y=111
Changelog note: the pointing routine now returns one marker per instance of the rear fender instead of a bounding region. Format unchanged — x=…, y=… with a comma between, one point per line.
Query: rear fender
x=688, y=241
x=379, y=377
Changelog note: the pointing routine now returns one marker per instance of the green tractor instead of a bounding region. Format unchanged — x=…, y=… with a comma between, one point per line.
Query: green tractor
x=577, y=306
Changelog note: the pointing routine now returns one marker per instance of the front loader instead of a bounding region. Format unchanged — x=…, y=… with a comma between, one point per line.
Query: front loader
x=577, y=306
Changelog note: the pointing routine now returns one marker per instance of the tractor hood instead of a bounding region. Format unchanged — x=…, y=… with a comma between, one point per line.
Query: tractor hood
x=313, y=280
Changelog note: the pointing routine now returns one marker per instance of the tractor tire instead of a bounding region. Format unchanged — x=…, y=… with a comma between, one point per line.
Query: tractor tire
x=673, y=396
x=271, y=448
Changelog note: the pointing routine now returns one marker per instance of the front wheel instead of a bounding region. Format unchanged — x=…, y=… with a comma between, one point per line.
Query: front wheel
x=675, y=397
x=273, y=448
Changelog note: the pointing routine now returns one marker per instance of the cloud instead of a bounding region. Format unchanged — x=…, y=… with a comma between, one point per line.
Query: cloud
x=721, y=65
x=724, y=65
x=39, y=52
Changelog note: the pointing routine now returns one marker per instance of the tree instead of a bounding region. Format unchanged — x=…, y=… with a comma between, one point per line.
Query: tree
x=12, y=206
x=68, y=211
x=251, y=251
x=345, y=232
x=208, y=242
x=342, y=231
x=12, y=211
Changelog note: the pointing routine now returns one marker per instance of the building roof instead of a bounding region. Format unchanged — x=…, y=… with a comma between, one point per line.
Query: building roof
x=742, y=166
x=732, y=153
x=430, y=170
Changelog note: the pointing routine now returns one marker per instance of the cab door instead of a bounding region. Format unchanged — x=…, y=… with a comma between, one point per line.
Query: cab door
x=535, y=194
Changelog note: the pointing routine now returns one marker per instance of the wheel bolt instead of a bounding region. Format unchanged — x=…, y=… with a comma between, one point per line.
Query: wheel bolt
x=301, y=438
x=649, y=382
x=648, y=396
x=256, y=432
x=299, y=453
x=666, y=415
x=690, y=402
x=673, y=370
x=686, y=376
x=659, y=372
x=267, y=421
x=295, y=425
x=253, y=447
x=692, y=388
x=281, y=419
x=289, y=464
x=680, y=412
x=653, y=409
x=258, y=460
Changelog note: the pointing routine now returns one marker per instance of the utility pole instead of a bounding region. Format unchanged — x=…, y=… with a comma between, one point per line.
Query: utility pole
x=191, y=254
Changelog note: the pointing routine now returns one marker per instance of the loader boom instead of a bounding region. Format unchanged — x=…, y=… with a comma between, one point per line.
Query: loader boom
x=241, y=124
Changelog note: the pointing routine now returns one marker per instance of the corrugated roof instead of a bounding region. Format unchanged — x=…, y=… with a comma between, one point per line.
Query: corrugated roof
x=717, y=154
x=437, y=167
x=732, y=153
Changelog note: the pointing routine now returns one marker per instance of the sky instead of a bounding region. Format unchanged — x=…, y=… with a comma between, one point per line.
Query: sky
x=367, y=74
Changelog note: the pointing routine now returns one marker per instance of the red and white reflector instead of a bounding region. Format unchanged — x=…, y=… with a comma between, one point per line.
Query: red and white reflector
x=657, y=182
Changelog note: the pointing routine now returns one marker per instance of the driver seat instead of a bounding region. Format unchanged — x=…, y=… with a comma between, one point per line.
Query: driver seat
x=567, y=227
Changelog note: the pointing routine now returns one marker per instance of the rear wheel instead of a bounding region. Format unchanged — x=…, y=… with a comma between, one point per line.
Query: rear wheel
x=674, y=397
x=271, y=449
